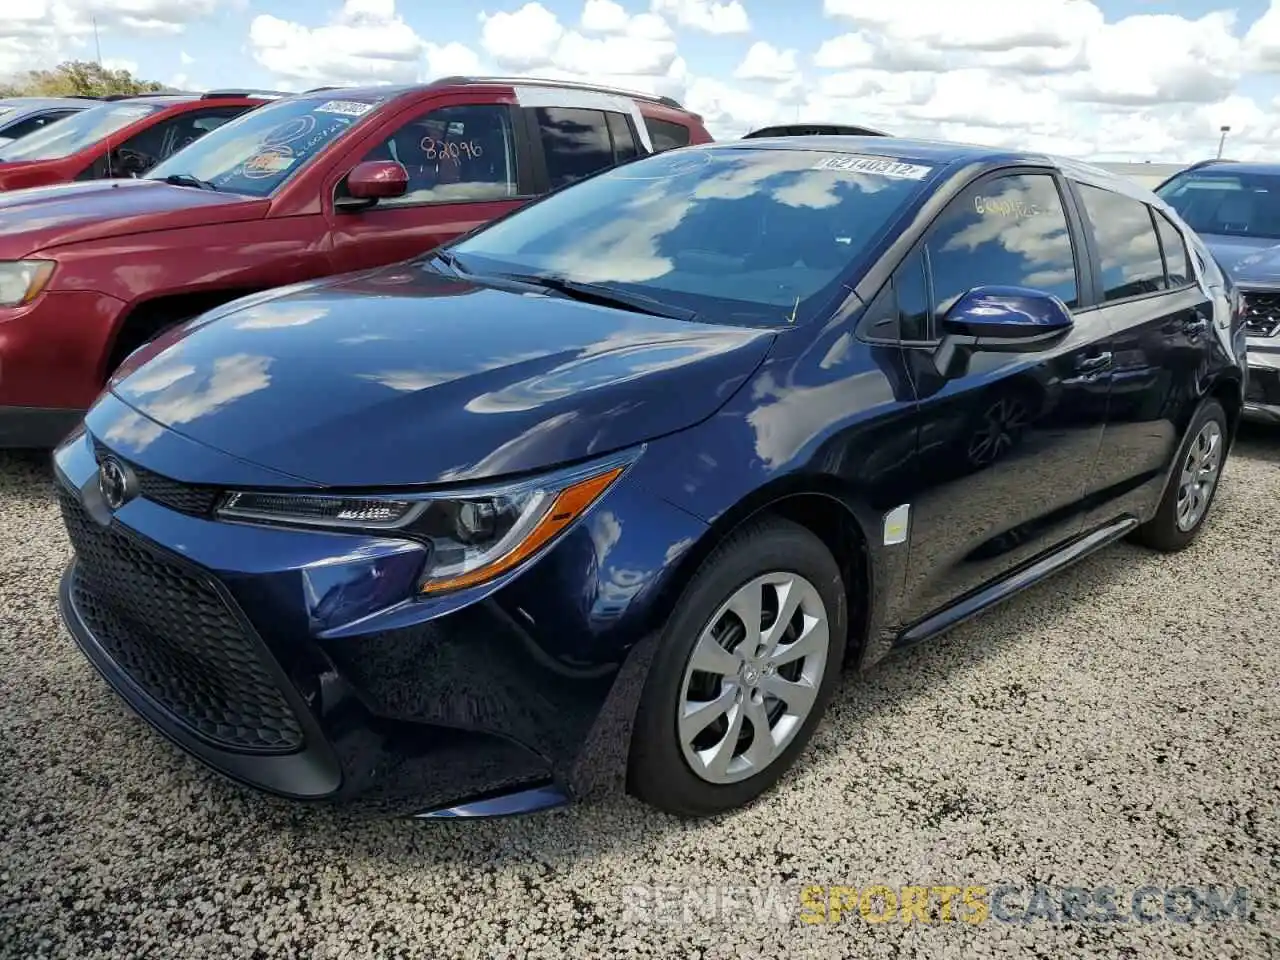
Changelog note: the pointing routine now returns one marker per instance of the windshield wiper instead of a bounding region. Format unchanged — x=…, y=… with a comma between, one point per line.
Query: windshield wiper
x=450, y=260
x=187, y=180
x=600, y=294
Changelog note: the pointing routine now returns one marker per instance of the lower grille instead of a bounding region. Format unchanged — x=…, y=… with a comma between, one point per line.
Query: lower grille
x=1264, y=387
x=177, y=639
x=1262, y=314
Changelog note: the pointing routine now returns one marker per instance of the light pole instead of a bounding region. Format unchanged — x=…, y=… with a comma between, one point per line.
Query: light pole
x=1224, y=130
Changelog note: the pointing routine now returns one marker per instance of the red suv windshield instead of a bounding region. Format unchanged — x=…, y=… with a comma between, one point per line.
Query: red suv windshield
x=80, y=130
x=260, y=150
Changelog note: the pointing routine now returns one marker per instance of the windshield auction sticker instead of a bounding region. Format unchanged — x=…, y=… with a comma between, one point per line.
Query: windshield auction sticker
x=348, y=108
x=876, y=166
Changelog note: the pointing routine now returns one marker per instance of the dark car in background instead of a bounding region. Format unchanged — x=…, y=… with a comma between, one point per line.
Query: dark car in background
x=323, y=182
x=122, y=137
x=1235, y=207
x=609, y=491
x=20, y=116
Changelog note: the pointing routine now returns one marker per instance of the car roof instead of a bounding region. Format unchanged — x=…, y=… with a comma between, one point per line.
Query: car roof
x=391, y=91
x=943, y=154
x=1241, y=166
x=40, y=103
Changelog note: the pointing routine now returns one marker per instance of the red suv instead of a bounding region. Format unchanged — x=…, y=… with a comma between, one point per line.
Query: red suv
x=320, y=183
x=125, y=137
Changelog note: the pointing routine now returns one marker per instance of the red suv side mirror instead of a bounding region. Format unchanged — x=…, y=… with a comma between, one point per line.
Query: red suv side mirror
x=377, y=180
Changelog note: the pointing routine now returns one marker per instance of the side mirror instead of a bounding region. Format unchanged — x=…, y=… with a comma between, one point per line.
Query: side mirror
x=1019, y=316
x=375, y=180
x=1001, y=320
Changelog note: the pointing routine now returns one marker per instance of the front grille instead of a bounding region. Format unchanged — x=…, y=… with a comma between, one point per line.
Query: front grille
x=178, y=639
x=193, y=499
x=1261, y=314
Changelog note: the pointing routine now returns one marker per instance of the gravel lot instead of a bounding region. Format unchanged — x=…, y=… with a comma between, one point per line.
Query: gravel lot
x=1118, y=726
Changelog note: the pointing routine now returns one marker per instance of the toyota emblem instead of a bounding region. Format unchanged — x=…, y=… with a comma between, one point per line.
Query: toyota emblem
x=116, y=482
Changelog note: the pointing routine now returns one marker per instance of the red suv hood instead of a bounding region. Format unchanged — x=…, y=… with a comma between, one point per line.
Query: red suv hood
x=42, y=217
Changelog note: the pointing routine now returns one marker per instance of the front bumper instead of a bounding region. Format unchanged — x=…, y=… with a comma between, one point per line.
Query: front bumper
x=290, y=660
x=53, y=357
x=1262, y=395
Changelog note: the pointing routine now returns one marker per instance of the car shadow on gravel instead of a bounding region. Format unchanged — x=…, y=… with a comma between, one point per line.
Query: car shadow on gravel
x=1257, y=442
x=558, y=838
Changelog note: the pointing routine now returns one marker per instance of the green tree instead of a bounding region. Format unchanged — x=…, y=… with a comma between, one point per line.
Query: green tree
x=77, y=78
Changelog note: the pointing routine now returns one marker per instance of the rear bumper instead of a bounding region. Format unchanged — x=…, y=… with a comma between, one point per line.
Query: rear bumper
x=289, y=660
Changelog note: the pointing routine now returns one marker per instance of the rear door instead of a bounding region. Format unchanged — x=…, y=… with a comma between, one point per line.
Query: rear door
x=1160, y=321
x=468, y=163
x=1006, y=440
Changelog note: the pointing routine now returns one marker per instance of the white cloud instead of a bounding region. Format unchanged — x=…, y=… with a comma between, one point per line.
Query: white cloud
x=35, y=34
x=613, y=47
x=1067, y=76
x=764, y=61
x=708, y=16
x=366, y=41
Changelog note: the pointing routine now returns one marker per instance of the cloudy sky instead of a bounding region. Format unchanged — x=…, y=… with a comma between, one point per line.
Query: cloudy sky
x=1112, y=79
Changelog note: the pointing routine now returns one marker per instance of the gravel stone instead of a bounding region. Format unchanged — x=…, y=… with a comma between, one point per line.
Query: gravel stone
x=1115, y=726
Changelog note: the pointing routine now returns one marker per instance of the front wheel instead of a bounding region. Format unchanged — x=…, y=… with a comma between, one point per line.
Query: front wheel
x=1190, y=492
x=745, y=668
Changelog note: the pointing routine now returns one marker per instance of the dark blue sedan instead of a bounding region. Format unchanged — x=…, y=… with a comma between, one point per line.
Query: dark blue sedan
x=609, y=492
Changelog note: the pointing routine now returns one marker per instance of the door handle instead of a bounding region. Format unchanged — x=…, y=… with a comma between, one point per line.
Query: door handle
x=1099, y=361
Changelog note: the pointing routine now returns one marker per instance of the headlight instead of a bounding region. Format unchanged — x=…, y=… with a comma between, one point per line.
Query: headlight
x=474, y=535
x=22, y=280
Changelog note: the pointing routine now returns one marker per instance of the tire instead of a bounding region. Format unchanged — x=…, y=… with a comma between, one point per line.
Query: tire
x=1164, y=531
x=662, y=763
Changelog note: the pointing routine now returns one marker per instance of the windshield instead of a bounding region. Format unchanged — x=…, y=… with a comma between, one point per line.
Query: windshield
x=735, y=235
x=64, y=137
x=1227, y=204
x=261, y=149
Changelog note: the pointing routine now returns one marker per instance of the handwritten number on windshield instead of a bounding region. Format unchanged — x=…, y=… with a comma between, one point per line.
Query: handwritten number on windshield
x=434, y=149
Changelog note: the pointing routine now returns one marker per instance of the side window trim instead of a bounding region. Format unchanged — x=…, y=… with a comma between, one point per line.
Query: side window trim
x=1190, y=280
x=518, y=151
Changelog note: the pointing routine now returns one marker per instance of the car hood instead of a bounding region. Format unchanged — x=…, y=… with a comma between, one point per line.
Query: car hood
x=41, y=217
x=1247, y=259
x=405, y=376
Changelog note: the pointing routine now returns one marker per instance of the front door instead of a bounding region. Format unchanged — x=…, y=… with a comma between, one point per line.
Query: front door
x=1007, y=441
x=463, y=166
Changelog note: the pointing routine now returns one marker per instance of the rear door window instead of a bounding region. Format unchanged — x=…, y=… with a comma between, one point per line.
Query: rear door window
x=624, y=141
x=576, y=143
x=1127, y=243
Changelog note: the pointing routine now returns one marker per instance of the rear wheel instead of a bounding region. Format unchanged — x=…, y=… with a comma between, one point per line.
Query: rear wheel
x=745, y=668
x=1190, y=493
